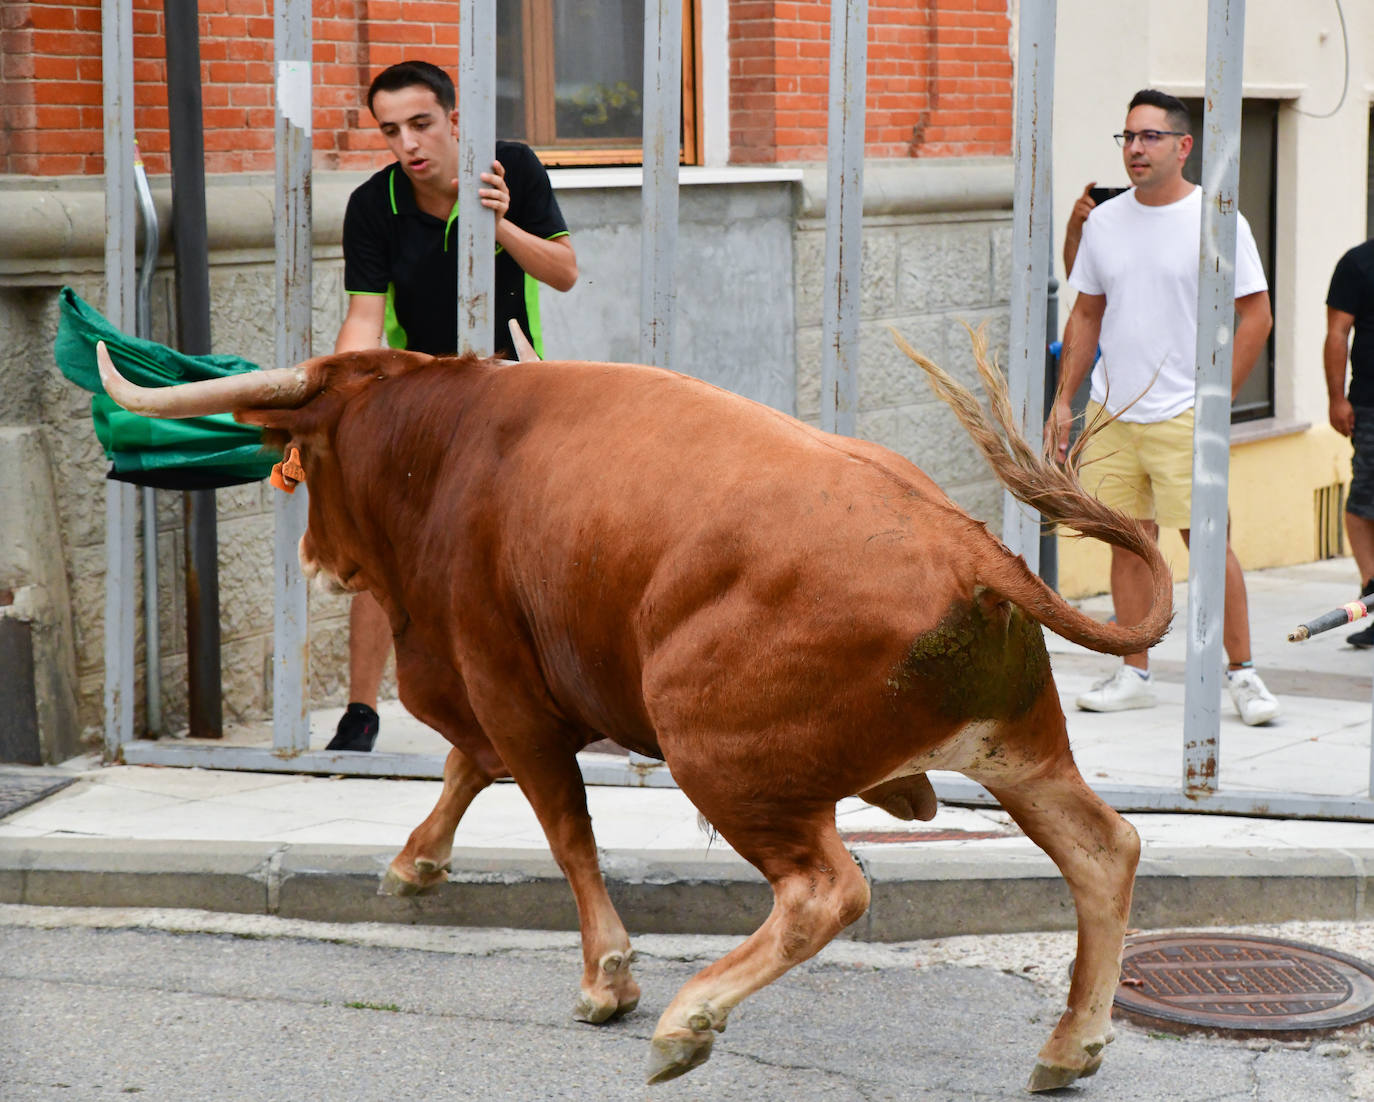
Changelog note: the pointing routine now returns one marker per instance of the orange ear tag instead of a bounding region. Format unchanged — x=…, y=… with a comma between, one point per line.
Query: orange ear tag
x=286, y=474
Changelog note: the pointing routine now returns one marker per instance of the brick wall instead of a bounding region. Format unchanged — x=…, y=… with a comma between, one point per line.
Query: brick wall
x=939, y=79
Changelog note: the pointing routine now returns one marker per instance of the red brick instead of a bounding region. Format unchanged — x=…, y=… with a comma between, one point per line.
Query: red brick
x=50, y=17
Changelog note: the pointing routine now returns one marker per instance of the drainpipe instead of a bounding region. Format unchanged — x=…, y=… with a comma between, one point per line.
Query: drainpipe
x=143, y=327
x=190, y=240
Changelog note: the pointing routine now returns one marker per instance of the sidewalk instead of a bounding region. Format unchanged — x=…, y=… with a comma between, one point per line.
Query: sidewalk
x=312, y=847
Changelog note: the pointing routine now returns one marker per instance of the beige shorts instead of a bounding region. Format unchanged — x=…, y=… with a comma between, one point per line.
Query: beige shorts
x=1145, y=470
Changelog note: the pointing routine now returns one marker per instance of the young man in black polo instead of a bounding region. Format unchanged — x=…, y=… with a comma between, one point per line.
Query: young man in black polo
x=401, y=275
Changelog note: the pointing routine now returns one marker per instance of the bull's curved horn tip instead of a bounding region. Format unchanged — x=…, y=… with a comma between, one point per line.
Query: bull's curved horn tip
x=105, y=363
x=524, y=351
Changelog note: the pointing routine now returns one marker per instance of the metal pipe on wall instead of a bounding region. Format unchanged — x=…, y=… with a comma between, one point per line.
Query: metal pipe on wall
x=190, y=240
x=152, y=648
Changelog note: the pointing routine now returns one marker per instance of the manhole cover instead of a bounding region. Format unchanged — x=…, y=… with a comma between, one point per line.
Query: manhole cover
x=1243, y=985
x=920, y=835
x=18, y=790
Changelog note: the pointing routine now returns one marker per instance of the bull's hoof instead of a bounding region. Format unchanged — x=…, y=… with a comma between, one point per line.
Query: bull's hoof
x=594, y=1013
x=429, y=874
x=1048, y=1077
x=618, y=994
x=670, y=1057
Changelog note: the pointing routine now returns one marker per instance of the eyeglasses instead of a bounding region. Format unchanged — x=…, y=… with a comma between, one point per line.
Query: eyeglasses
x=1148, y=138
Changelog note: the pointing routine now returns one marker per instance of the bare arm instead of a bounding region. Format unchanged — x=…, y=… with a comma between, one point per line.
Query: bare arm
x=1256, y=320
x=1335, y=353
x=362, y=325
x=549, y=260
x=1081, y=333
x=1073, y=232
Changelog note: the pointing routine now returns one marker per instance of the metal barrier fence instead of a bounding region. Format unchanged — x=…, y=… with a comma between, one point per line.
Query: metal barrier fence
x=662, y=85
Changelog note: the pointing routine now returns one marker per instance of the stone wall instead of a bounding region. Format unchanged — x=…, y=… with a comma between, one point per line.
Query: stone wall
x=750, y=260
x=936, y=255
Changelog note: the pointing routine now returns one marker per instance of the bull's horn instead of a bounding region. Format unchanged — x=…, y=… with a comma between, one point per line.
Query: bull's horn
x=524, y=351
x=276, y=388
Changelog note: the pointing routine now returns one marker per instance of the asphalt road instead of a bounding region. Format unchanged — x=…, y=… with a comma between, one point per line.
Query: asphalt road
x=189, y=1006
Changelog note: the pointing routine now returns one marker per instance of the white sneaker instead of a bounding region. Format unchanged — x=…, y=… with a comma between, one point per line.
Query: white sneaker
x=1253, y=701
x=1124, y=689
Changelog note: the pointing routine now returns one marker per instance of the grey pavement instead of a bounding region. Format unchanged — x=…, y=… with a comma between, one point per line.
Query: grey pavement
x=312, y=847
x=193, y=1006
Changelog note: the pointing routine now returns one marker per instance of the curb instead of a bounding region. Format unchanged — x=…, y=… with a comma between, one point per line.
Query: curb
x=916, y=894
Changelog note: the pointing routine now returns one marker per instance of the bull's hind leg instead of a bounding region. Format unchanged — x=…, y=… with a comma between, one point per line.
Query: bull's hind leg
x=818, y=890
x=424, y=862
x=1097, y=851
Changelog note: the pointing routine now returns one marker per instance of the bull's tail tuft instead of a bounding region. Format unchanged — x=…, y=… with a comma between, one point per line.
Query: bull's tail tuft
x=1034, y=478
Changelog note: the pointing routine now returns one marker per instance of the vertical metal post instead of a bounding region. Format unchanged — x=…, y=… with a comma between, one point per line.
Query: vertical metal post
x=190, y=242
x=121, y=499
x=476, y=146
x=291, y=219
x=659, y=195
x=1030, y=249
x=1212, y=412
x=844, y=203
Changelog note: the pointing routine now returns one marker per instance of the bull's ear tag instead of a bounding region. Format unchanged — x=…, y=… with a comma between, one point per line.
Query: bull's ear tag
x=287, y=473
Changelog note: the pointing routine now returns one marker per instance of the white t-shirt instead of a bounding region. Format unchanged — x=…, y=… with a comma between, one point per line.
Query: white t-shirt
x=1145, y=260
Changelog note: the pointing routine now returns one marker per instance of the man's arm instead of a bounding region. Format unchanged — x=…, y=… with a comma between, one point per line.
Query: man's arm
x=1335, y=353
x=1073, y=232
x=1252, y=330
x=549, y=260
x=1081, y=334
x=362, y=325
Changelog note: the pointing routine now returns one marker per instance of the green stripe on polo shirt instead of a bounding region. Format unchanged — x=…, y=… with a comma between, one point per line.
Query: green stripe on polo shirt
x=395, y=333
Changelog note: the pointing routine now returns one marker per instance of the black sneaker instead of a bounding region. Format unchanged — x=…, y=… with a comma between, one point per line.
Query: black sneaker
x=357, y=729
x=1362, y=638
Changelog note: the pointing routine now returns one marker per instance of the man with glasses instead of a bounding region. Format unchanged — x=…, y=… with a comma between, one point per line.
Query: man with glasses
x=1350, y=305
x=1135, y=269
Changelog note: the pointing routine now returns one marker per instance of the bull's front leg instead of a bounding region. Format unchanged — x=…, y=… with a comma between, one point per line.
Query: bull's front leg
x=553, y=785
x=424, y=862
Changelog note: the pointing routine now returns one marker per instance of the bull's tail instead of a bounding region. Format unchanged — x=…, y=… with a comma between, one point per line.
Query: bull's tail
x=1054, y=491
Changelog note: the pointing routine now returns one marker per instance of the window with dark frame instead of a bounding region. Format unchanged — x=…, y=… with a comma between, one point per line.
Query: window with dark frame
x=1259, y=134
x=570, y=79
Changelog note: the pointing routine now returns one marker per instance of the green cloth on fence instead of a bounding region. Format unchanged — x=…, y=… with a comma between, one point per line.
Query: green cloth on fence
x=214, y=444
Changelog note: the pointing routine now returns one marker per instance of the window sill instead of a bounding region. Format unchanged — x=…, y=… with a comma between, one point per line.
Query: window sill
x=566, y=179
x=1266, y=428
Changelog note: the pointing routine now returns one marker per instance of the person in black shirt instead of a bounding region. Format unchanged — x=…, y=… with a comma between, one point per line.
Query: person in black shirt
x=401, y=275
x=1350, y=305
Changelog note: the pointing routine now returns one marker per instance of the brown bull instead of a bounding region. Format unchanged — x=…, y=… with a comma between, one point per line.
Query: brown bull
x=571, y=551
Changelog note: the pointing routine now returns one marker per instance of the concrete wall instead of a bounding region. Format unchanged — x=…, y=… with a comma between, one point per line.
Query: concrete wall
x=750, y=268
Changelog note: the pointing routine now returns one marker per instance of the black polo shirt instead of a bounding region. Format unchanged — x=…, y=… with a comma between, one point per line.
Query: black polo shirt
x=393, y=248
x=1352, y=290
